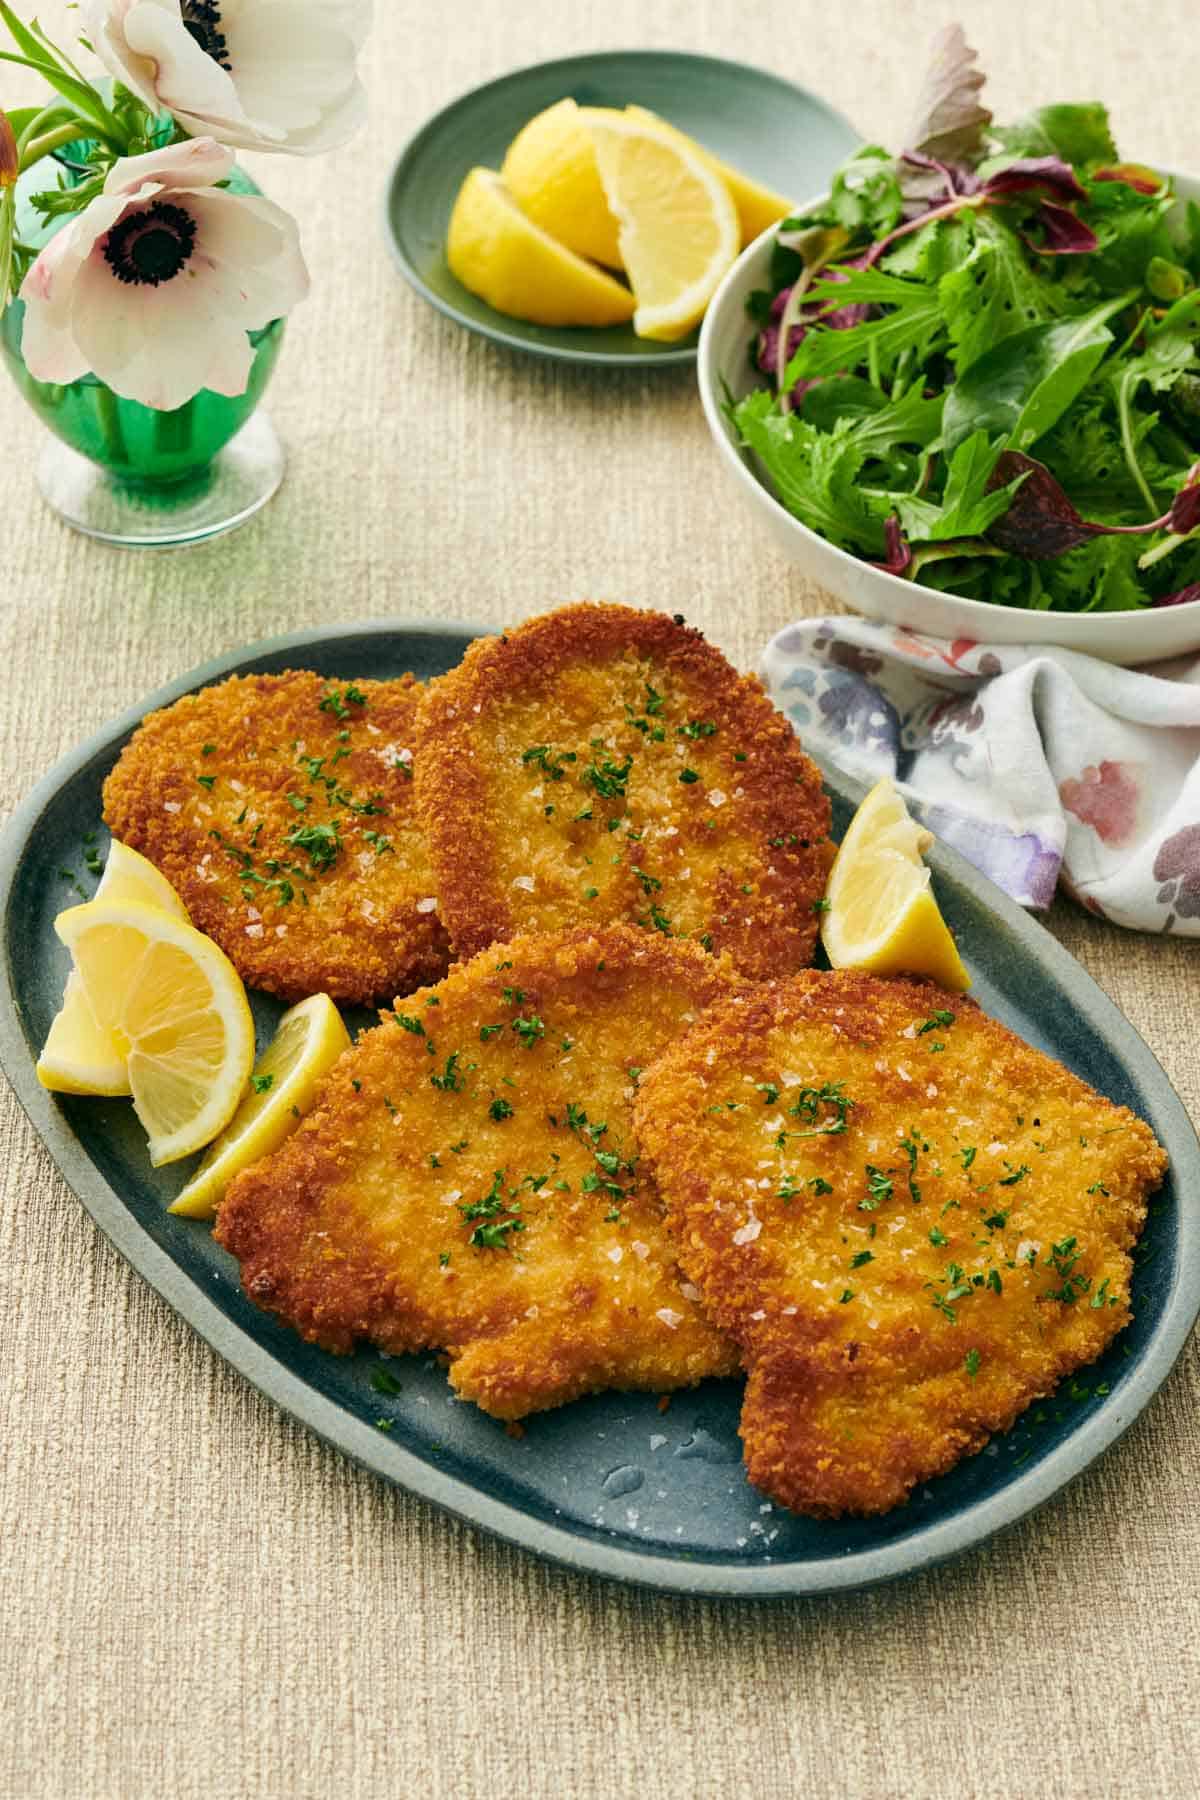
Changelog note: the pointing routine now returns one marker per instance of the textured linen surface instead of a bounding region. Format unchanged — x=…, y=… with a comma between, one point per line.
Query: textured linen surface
x=1040, y=765
x=197, y=1599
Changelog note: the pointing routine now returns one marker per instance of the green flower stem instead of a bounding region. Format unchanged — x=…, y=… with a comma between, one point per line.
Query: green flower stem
x=173, y=430
x=109, y=418
x=49, y=141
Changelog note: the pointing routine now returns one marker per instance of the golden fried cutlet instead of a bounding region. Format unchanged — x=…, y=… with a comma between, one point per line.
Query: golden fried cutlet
x=469, y=1180
x=602, y=763
x=911, y=1222
x=281, y=809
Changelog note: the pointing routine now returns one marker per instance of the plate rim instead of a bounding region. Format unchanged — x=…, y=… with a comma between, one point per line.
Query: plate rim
x=672, y=358
x=965, y=1529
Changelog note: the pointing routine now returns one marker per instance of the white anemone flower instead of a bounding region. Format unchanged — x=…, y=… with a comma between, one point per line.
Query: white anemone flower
x=155, y=284
x=257, y=74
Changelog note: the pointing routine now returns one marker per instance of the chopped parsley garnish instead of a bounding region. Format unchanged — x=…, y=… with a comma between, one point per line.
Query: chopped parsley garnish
x=996, y=1221
x=1062, y=1260
x=443, y=1259
x=450, y=1081
x=339, y=704
x=688, y=776
x=384, y=1382
x=697, y=728
x=938, y=1238
x=500, y=1109
x=608, y=778
x=320, y=842
x=788, y=1189
x=910, y=1147
x=546, y=758
x=659, y=920
x=1017, y=1175
x=207, y=781
x=879, y=1188
x=935, y=1021
x=650, y=883
x=409, y=1023
x=971, y=1363
x=769, y=1091
x=819, y=1185
x=846, y=1294
x=489, y=1031
x=968, y=1154
x=864, y=1256
x=529, y=1030
x=207, y=749
x=808, y=1104
x=262, y=1084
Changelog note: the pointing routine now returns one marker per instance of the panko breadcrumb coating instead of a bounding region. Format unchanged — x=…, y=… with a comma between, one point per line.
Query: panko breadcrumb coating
x=603, y=763
x=280, y=808
x=469, y=1180
x=912, y=1223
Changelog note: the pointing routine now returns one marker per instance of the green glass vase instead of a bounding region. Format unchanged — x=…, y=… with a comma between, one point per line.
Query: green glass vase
x=128, y=473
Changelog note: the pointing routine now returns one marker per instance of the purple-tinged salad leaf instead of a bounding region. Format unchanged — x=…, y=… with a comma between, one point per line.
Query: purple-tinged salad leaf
x=949, y=120
x=1184, y=596
x=981, y=358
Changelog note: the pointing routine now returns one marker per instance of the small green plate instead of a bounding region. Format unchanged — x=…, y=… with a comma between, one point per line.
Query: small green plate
x=777, y=133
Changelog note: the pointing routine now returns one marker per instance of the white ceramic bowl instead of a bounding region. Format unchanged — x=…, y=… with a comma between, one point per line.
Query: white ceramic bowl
x=724, y=362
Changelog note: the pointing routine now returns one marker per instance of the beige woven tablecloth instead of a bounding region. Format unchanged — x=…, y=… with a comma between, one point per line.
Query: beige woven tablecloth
x=196, y=1597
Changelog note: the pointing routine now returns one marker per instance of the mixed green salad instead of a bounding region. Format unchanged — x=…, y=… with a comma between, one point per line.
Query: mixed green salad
x=981, y=357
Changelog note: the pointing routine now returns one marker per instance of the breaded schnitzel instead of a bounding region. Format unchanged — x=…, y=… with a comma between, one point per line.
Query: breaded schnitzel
x=280, y=807
x=468, y=1179
x=912, y=1223
x=603, y=763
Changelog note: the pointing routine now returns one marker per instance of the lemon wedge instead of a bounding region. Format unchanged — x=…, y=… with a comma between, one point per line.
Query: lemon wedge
x=550, y=171
x=308, y=1041
x=79, y=1057
x=678, y=226
x=521, y=270
x=757, y=206
x=882, y=916
x=175, y=1007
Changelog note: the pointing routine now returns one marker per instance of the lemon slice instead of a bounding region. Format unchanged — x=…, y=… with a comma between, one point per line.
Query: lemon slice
x=882, y=915
x=175, y=1006
x=79, y=1057
x=307, y=1042
x=550, y=171
x=757, y=207
x=520, y=269
x=679, y=228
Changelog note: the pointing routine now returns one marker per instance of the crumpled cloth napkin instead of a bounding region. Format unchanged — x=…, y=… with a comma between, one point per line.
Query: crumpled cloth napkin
x=1040, y=765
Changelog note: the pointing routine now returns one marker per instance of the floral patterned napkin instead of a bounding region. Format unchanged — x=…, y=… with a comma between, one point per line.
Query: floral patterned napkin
x=1040, y=765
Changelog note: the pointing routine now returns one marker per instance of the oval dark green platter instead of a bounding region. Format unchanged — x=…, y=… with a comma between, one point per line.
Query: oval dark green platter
x=608, y=1485
x=772, y=130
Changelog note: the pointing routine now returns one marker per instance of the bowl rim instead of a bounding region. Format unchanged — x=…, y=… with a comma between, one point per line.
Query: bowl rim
x=708, y=374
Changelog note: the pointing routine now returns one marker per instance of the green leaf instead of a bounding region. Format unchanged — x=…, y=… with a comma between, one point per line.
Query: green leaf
x=1100, y=576
x=913, y=323
x=966, y=508
x=881, y=421
x=994, y=293
x=865, y=197
x=1078, y=133
x=1019, y=389
x=813, y=472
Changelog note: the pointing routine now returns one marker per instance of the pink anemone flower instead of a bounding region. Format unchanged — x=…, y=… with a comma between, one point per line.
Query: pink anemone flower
x=257, y=74
x=155, y=284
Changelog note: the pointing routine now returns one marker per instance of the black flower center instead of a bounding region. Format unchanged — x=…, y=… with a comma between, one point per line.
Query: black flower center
x=202, y=20
x=151, y=246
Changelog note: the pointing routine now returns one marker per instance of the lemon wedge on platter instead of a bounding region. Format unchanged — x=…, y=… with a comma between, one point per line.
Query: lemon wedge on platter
x=757, y=206
x=175, y=1008
x=881, y=914
x=79, y=1056
x=307, y=1042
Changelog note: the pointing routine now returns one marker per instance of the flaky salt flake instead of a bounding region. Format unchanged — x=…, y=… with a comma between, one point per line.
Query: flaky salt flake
x=931, y=1090
x=760, y=1314
x=669, y=1318
x=523, y=881
x=748, y=1232
x=717, y=797
x=615, y=1254
x=690, y=1292
x=172, y=806
x=657, y=1440
x=428, y=905
x=254, y=931
x=639, y=1249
